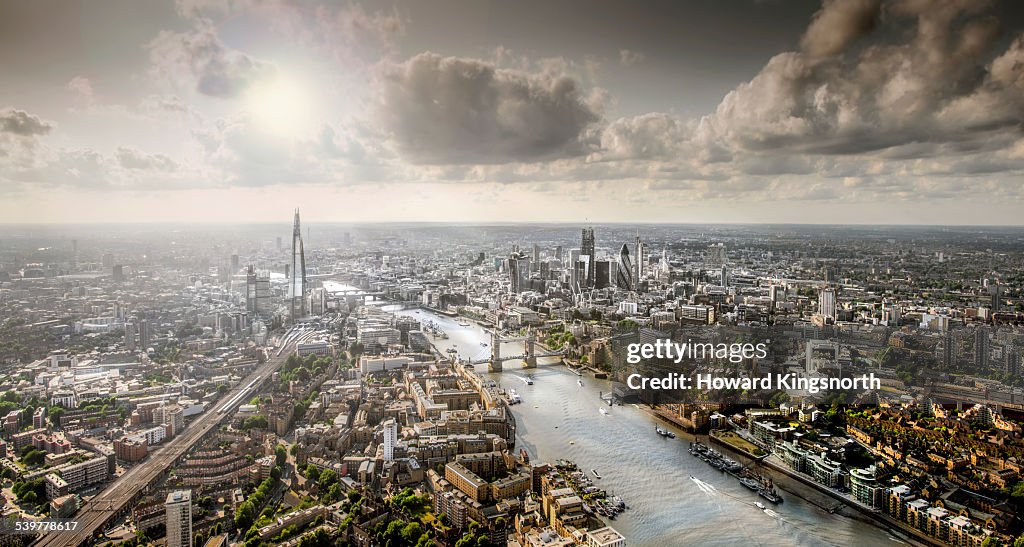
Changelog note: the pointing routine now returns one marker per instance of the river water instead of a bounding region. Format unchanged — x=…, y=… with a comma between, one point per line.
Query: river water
x=651, y=473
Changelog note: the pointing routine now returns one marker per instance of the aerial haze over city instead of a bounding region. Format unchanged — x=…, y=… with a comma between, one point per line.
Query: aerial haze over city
x=526, y=274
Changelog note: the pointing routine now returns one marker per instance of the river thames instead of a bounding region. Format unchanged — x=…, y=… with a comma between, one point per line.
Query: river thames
x=558, y=418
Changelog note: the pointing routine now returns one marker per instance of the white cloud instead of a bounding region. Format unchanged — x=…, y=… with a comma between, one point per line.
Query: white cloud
x=199, y=56
x=132, y=158
x=81, y=90
x=628, y=57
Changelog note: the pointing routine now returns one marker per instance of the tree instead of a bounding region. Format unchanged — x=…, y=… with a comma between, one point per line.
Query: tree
x=319, y=538
x=245, y=515
x=55, y=413
x=332, y=495
x=778, y=398
x=255, y=422
x=411, y=533
x=312, y=472
x=280, y=454
x=33, y=457
x=628, y=325
x=327, y=478
x=7, y=406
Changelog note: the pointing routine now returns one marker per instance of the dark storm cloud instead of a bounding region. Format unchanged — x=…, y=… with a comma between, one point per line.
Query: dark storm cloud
x=837, y=24
x=835, y=98
x=200, y=56
x=456, y=110
x=21, y=123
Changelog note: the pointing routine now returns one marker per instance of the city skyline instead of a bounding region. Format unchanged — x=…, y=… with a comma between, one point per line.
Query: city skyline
x=842, y=112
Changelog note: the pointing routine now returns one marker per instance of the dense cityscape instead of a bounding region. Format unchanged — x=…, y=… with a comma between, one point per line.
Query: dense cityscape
x=479, y=273
x=405, y=384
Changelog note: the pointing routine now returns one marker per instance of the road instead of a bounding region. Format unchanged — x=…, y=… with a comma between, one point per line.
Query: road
x=97, y=512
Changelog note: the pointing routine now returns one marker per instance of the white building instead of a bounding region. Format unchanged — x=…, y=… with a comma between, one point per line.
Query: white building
x=316, y=347
x=605, y=537
x=390, y=438
x=827, y=303
x=178, y=511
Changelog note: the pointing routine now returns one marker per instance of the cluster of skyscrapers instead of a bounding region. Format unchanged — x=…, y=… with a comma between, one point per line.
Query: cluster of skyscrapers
x=258, y=290
x=582, y=269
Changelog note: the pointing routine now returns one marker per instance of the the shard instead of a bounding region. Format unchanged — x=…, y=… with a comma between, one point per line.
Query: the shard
x=297, y=284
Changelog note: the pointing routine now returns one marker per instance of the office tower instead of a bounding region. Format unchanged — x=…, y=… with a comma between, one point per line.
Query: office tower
x=317, y=301
x=1012, y=364
x=981, y=348
x=558, y=252
x=250, y=289
x=624, y=274
x=279, y=243
x=144, y=334
x=827, y=302
x=536, y=257
x=107, y=260
x=264, y=306
x=603, y=274
x=129, y=336
x=948, y=350
x=390, y=438
x=573, y=267
x=776, y=294
x=890, y=313
x=118, y=272
x=582, y=272
x=297, y=285
x=640, y=256
x=519, y=271
x=178, y=513
x=587, y=249
x=995, y=291
x=725, y=275
x=234, y=263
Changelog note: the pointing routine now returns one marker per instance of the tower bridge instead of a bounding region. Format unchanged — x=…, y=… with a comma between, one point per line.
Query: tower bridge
x=494, y=362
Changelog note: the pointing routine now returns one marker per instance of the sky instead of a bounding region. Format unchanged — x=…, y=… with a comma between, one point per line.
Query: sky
x=842, y=111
